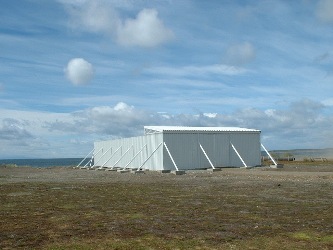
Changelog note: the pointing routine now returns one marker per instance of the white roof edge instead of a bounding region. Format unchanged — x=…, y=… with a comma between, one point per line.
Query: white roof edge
x=203, y=129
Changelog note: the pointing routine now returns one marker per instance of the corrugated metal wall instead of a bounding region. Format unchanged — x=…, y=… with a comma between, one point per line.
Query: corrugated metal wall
x=184, y=148
x=106, y=153
x=248, y=146
x=187, y=154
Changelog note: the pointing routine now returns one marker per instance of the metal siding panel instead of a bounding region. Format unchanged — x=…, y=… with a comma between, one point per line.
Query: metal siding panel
x=185, y=150
x=156, y=160
x=152, y=141
x=101, y=155
x=121, y=155
x=137, y=146
x=207, y=141
x=216, y=147
x=113, y=155
x=248, y=146
x=97, y=147
x=184, y=147
x=187, y=153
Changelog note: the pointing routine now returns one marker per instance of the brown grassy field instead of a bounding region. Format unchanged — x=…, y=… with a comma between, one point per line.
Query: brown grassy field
x=261, y=208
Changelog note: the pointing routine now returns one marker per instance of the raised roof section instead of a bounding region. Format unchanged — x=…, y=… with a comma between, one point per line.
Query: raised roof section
x=161, y=129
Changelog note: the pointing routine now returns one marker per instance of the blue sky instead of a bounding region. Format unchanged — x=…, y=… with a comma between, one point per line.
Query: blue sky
x=76, y=71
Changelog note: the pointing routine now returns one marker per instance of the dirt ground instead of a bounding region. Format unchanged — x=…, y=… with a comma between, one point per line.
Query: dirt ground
x=259, y=208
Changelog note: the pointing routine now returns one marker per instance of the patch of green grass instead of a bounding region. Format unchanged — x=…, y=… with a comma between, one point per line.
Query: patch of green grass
x=327, y=238
x=311, y=236
x=8, y=165
x=303, y=236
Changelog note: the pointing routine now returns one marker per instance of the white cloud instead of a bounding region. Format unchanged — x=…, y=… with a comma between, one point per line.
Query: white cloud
x=303, y=124
x=13, y=129
x=240, y=54
x=79, y=71
x=121, y=106
x=325, y=10
x=118, y=121
x=328, y=102
x=296, y=126
x=210, y=115
x=92, y=16
x=146, y=30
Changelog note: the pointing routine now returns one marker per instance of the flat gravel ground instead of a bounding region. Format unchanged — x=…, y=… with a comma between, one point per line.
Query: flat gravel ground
x=68, y=174
x=259, y=208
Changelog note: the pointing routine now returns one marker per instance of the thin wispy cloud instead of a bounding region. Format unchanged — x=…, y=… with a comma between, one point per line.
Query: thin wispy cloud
x=197, y=71
x=92, y=16
x=325, y=11
x=323, y=57
x=240, y=54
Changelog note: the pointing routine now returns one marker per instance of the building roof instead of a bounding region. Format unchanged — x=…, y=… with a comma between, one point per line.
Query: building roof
x=160, y=129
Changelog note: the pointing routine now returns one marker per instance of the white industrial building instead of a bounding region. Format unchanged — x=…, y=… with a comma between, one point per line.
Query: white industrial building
x=181, y=148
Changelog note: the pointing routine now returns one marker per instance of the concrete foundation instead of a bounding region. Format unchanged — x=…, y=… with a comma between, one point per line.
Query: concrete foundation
x=178, y=172
x=123, y=171
x=137, y=171
x=165, y=171
x=100, y=169
x=277, y=166
x=214, y=169
x=111, y=169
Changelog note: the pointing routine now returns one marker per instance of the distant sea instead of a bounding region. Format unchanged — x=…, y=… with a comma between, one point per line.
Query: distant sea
x=301, y=154
x=44, y=163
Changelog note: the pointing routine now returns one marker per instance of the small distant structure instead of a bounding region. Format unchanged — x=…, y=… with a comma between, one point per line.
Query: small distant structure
x=176, y=148
x=323, y=159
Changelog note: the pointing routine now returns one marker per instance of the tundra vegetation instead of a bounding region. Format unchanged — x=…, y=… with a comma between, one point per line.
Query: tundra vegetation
x=260, y=208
